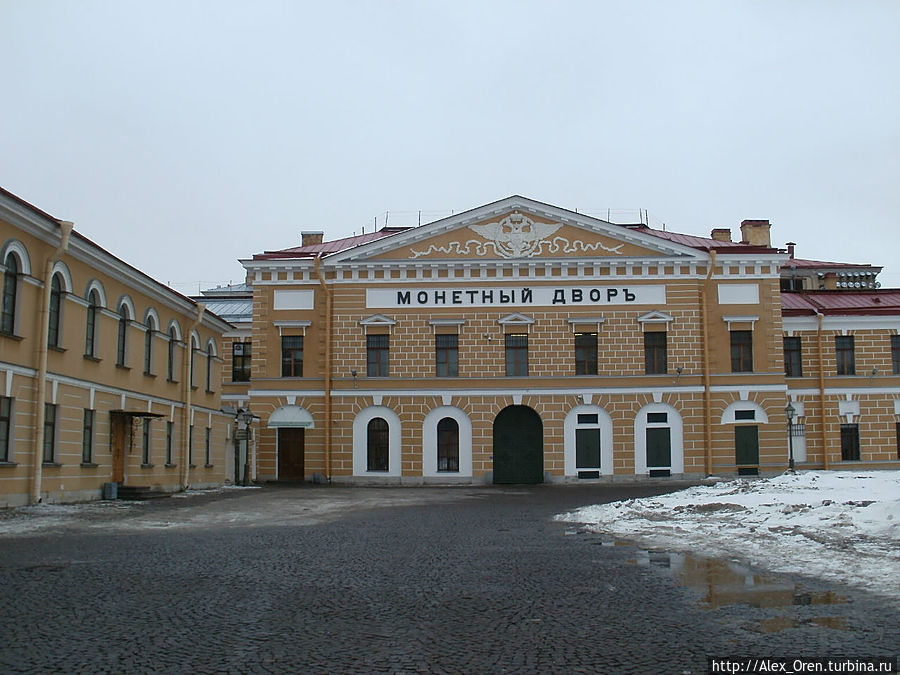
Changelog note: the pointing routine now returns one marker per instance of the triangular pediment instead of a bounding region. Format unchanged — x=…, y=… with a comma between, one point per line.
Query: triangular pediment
x=517, y=228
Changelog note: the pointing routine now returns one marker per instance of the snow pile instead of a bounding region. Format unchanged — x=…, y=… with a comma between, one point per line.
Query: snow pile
x=842, y=526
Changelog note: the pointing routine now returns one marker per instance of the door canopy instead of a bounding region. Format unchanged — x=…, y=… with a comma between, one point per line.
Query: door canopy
x=291, y=417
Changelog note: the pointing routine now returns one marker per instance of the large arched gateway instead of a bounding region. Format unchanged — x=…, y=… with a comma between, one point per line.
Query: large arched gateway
x=518, y=446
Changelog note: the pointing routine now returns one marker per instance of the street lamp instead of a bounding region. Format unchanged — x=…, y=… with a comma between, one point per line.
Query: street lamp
x=790, y=411
x=243, y=419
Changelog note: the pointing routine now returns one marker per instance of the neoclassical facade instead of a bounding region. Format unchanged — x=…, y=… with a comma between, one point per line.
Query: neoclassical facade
x=106, y=376
x=519, y=342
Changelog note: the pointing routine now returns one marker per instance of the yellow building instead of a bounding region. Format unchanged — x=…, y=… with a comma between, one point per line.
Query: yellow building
x=106, y=376
x=521, y=342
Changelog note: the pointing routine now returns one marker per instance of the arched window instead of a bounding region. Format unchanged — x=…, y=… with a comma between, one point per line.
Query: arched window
x=90, y=341
x=173, y=340
x=195, y=347
x=209, y=366
x=10, y=290
x=148, y=346
x=122, y=346
x=448, y=445
x=55, y=301
x=377, y=445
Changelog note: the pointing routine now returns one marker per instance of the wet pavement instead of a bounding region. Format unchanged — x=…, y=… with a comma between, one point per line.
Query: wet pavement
x=316, y=579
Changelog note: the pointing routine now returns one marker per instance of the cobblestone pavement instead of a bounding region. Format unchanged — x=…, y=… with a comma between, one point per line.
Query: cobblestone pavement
x=311, y=579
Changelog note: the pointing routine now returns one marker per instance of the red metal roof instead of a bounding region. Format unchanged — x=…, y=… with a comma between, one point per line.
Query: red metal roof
x=819, y=264
x=883, y=301
x=325, y=248
x=704, y=243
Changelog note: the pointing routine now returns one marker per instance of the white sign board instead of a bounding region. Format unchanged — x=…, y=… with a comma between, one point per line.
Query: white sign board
x=516, y=296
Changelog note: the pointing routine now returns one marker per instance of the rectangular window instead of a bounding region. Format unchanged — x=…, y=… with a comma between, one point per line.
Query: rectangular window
x=446, y=353
x=793, y=361
x=5, y=427
x=657, y=418
x=377, y=351
x=87, y=437
x=656, y=353
x=49, y=432
x=206, y=447
x=516, y=355
x=743, y=415
x=241, y=354
x=145, y=441
x=170, y=430
x=845, y=351
x=742, y=351
x=588, y=418
x=585, y=353
x=292, y=356
x=895, y=354
x=850, y=442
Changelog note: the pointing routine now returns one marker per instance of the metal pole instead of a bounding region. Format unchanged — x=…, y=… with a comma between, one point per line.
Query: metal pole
x=791, y=444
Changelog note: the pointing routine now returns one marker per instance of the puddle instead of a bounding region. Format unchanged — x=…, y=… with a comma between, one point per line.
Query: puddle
x=722, y=584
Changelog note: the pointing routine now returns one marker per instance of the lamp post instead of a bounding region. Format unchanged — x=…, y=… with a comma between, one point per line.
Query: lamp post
x=245, y=418
x=790, y=411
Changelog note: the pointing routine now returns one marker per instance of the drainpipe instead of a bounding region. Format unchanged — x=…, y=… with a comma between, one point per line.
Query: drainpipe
x=707, y=393
x=820, y=336
x=41, y=395
x=328, y=330
x=186, y=398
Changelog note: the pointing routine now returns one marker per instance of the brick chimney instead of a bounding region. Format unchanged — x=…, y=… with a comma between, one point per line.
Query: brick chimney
x=721, y=234
x=755, y=232
x=311, y=237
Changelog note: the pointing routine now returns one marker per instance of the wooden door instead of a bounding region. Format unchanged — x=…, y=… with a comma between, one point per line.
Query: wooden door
x=290, y=454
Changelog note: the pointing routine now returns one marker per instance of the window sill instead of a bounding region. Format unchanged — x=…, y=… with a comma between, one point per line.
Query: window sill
x=247, y=381
x=170, y=466
x=210, y=392
x=56, y=348
x=12, y=336
x=147, y=466
x=91, y=357
x=51, y=465
x=2, y=464
x=122, y=366
x=171, y=381
x=89, y=465
x=192, y=466
x=208, y=466
x=147, y=373
x=193, y=387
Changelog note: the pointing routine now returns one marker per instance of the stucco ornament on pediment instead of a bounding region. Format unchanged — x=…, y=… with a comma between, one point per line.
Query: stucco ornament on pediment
x=516, y=236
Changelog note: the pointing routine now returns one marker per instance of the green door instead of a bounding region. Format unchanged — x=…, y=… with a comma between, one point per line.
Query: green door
x=518, y=446
x=746, y=445
x=587, y=453
x=659, y=448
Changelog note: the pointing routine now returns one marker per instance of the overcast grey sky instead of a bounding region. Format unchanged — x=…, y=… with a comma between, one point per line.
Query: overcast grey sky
x=182, y=136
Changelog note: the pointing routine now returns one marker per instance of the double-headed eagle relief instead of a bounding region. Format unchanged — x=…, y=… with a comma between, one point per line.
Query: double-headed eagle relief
x=516, y=236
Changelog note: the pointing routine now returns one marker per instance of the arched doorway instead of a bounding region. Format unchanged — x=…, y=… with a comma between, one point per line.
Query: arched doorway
x=518, y=446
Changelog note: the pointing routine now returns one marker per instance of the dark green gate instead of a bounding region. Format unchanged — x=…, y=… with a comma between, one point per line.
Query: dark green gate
x=518, y=446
